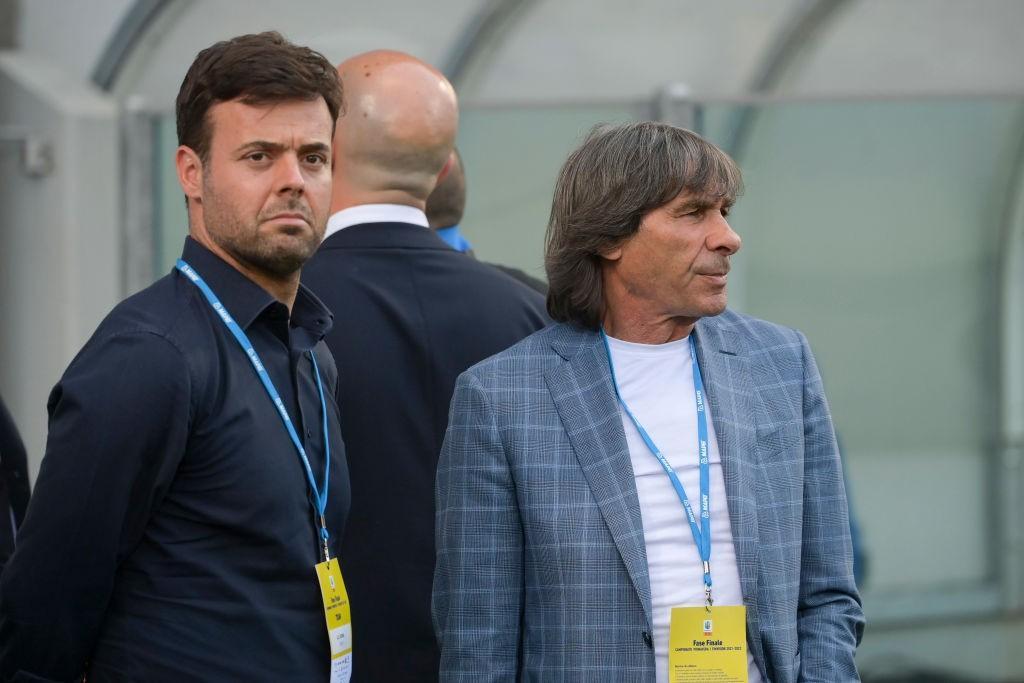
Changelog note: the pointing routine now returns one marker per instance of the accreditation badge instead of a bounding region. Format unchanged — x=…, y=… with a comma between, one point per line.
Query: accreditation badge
x=338, y=614
x=708, y=645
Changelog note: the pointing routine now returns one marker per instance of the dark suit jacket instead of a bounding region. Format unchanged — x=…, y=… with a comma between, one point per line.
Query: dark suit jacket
x=530, y=281
x=14, y=488
x=410, y=315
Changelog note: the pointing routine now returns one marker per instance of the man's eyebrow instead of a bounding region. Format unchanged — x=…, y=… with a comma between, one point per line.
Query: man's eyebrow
x=277, y=147
x=693, y=203
x=314, y=147
x=703, y=203
x=262, y=145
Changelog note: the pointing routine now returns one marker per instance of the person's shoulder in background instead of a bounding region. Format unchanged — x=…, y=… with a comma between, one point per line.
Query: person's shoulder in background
x=14, y=486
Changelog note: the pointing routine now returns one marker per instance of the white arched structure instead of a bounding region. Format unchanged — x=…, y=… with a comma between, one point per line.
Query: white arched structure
x=884, y=215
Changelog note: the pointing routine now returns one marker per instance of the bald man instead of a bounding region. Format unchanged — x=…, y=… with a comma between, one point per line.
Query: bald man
x=411, y=314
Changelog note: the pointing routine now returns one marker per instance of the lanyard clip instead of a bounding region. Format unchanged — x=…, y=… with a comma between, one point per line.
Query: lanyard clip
x=324, y=536
x=708, y=602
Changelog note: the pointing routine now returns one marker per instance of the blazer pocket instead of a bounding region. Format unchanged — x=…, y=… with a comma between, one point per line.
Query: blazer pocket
x=780, y=484
x=781, y=442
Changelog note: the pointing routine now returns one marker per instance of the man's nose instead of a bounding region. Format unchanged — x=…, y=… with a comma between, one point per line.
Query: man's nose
x=723, y=238
x=289, y=175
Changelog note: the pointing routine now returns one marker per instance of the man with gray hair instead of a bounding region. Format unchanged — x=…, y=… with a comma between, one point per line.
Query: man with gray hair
x=649, y=490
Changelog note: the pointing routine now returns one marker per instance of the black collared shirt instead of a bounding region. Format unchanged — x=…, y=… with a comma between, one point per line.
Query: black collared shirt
x=171, y=535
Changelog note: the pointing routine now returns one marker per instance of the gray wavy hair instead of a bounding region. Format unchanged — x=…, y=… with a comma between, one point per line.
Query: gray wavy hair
x=608, y=184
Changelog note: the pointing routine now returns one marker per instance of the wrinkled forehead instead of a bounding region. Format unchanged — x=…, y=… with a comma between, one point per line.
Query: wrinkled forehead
x=273, y=120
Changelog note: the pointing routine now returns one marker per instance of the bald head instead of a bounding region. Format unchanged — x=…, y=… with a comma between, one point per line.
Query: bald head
x=396, y=132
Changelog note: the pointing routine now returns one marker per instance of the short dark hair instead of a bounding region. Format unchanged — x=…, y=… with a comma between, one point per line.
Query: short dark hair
x=257, y=68
x=447, y=202
x=605, y=188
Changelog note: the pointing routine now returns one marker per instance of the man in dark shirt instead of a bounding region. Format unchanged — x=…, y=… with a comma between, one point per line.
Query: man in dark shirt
x=176, y=523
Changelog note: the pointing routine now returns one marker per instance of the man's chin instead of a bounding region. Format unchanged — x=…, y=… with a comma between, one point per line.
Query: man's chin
x=282, y=261
x=714, y=307
x=292, y=250
x=288, y=262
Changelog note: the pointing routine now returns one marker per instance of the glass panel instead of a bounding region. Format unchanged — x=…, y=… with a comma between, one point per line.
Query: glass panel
x=170, y=215
x=875, y=228
x=512, y=157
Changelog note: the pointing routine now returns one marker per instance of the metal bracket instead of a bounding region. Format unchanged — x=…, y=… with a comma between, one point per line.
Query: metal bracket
x=37, y=158
x=676, y=104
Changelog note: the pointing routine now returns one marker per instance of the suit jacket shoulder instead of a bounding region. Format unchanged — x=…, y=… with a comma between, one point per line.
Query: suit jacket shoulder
x=529, y=358
x=561, y=341
x=756, y=333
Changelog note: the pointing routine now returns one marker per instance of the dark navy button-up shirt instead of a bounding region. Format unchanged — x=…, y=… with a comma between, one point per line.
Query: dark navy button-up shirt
x=171, y=536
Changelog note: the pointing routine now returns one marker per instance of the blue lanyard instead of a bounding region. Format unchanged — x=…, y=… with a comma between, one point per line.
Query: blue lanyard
x=268, y=384
x=701, y=534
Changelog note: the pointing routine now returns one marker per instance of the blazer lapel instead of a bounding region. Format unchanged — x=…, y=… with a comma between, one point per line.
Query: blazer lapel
x=585, y=399
x=725, y=368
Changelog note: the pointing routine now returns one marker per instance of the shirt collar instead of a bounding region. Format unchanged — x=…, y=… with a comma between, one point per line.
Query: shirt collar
x=454, y=238
x=375, y=213
x=246, y=300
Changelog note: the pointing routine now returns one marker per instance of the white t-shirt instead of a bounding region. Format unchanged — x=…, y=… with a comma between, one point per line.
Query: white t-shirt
x=656, y=382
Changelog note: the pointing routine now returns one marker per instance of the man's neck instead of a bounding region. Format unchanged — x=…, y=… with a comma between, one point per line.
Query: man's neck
x=284, y=289
x=639, y=328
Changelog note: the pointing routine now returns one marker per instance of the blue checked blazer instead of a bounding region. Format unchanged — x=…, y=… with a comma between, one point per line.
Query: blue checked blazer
x=541, y=565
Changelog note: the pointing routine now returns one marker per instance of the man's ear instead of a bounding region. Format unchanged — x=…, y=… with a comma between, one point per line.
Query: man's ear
x=446, y=169
x=190, y=172
x=613, y=254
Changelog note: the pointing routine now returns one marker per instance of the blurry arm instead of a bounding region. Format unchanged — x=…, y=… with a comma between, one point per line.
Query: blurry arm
x=478, y=582
x=830, y=620
x=14, y=492
x=118, y=426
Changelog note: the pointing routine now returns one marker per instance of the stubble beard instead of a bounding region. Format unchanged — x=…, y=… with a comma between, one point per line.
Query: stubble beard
x=240, y=237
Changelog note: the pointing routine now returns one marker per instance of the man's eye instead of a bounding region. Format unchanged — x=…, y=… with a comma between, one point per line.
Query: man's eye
x=316, y=159
x=257, y=156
